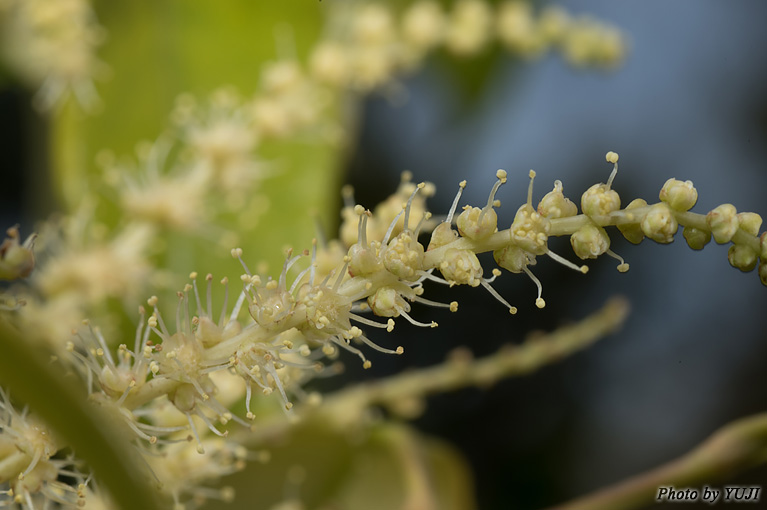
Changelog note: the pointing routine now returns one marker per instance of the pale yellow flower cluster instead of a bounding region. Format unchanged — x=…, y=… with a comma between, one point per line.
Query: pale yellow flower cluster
x=52, y=44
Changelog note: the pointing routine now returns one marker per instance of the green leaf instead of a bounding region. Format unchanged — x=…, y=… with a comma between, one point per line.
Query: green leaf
x=157, y=49
x=91, y=433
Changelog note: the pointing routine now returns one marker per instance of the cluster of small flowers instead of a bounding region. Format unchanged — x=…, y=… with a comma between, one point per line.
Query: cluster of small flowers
x=27, y=465
x=371, y=46
x=175, y=387
x=52, y=44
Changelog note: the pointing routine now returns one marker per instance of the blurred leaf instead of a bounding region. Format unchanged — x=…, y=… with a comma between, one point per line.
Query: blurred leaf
x=30, y=377
x=387, y=467
x=157, y=49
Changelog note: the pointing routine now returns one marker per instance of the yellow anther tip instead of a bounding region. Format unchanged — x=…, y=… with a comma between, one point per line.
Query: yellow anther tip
x=367, y=364
x=540, y=303
x=501, y=174
x=531, y=174
x=193, y=275
x=513, y=310
x=359, y=210
x=584, y=269
x=623, y=267
x=462, y=184
x=611, y=157
x=400, y=350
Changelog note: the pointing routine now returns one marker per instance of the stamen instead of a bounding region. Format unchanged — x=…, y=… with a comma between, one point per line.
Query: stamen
x=612, y=157
x=557, y=258
x=313, y=264
x=391, y=227
x=341, y=274
x=496, y=274
x=429, y=302
x=540, y=303
x=237, y=306
x=300, y=276
x=200, y=449
x=426, y=216
x=286, y=267
x=38, y=455
x=270, y=368
x=415, y=322
x=210, y=426
x=353, y=350
x=367, y=321
x=193, y=277
x=420, y=186
x=461, y=186
x=492, y=291
x=623, y=266
x=225, y=282
x=501, y=175
x=372, y=345
x=209, y=311
x=237, y=253
x=530, y=174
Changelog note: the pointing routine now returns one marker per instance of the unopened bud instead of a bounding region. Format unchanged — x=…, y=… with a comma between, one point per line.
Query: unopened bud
x=513, y=258
x=590, y=241
x=632, y=231
x=600, y=200
x=16, y=260
x=696, y=238
x=679, y=195
x=723, y=222
x=763, y=272
x=555, y=204
x=742, y=257
x=659, y=224
x=750, y=222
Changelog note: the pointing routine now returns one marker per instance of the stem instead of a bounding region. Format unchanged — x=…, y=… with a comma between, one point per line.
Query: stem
x=344, y=407
x=568, y=226
x=459, y=373
x=734, y=448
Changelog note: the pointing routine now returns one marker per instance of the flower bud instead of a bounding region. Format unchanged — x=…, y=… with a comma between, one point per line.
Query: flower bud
x=679, y=195
x=600, y=200
x=530, y=230
x=742, y=257
x=403, y=256
x=554, y=204
x=16, y=260
x=461, y=267
x=513, y=258
x=590, y=241
x=443, y=234
x=750, y=222
x=387, y=302
x=659, y=224
x=696, y=238
x=632, y=231
x=763, y=247
x=723, y=222
x=763, y=272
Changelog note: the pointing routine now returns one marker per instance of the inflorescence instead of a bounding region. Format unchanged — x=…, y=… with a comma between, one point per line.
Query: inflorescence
x=175, y=386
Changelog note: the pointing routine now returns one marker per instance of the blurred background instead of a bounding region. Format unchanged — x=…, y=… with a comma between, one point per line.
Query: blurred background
x=689, y=103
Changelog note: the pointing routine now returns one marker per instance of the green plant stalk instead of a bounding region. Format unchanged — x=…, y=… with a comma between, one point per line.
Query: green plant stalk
x=736, y=447
x=343, y=408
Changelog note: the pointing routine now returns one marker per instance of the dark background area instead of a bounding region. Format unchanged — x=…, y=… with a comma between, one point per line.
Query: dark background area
x=689, y=103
